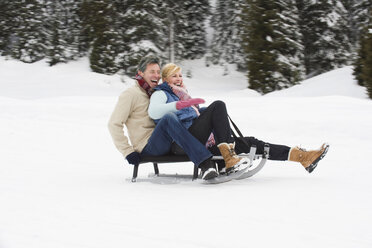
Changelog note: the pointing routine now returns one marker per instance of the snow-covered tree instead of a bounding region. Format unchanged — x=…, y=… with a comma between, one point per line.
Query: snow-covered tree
x=185, y=28
x=141, y=26
x=358, y=17
x=351, y=20
x=6, y=25
x=360, y=60
x=28, y=37
x=363, y=63
x=366, y=71
x=62, y=29
x=194, y=40
x=261, y=58
x=228, y=33
x=274, y=53
x=325, y=38
x=98, y=18
x=287, y=44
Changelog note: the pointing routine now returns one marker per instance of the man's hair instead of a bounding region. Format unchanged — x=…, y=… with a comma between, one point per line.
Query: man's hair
x=148, y=60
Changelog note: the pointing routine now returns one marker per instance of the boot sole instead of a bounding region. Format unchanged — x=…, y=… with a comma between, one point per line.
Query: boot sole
x=237, y=167
x=311, y=167
x=210, y=174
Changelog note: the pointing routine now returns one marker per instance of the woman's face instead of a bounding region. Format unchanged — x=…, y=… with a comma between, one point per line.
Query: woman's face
x=175, y=79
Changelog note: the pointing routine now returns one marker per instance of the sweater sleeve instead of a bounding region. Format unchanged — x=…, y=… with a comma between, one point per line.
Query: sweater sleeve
x=117, y=121
x=158, y=105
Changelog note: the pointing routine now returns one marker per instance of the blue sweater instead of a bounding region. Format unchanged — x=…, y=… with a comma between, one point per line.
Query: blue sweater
x=163, y=101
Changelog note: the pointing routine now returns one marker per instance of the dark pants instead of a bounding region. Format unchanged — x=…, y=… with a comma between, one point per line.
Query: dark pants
x=212, y=119
x=277, y=152
x=215, y=119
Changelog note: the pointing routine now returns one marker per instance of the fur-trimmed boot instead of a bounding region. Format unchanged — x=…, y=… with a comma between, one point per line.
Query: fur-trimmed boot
x=308, y=159
x=232, y=161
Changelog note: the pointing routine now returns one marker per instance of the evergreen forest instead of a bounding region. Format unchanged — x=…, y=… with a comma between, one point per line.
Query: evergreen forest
x=277, y=43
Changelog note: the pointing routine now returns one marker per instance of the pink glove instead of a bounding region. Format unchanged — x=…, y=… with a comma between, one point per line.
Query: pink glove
x=188, y=103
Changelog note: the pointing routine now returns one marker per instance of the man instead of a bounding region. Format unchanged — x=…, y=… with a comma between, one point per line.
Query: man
x=146, y=139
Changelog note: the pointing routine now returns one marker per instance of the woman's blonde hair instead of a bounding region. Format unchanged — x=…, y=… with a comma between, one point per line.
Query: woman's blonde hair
x=168, y=70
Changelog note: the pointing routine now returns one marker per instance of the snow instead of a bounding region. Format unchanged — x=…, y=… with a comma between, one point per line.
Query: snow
x=63, y=184
x=333, y=83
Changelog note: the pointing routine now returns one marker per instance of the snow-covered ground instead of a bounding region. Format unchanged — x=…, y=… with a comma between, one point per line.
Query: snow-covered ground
x=63, y=184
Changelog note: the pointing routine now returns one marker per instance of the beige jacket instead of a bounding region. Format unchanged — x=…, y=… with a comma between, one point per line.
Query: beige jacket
x=131, y=111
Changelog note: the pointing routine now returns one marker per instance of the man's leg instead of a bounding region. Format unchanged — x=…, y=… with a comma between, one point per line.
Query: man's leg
x=170, y=129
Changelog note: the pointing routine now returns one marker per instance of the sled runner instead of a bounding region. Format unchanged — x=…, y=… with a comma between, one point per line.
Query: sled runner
x=252, y=169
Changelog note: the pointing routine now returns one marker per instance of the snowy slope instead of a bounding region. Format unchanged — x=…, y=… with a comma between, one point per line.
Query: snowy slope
x=334, y=83
x=63, y=184
x=19, y=80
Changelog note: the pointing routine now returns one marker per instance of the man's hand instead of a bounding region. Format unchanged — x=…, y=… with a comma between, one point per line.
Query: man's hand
x=134, y=158
x=188, y=103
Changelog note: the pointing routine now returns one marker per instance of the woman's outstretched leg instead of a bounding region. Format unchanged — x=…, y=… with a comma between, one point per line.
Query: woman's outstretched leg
x=277, y=152
x=308, y=159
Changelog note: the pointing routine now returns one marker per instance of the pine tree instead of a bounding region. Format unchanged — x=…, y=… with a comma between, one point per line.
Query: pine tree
x=227, y=43
x=62, y=29
x=356, y=17
x=342, y=46
x=6, y=25
x=142, y=28
x=287, y=43
x=359, y=16
x=218, y=24
x=56, y=32
x=261, y=61
x=325, y=38
x=367, y=71
x=194, y=40
x=29, y=36
x=274, y=53
x=360, y=61
x=77, y=47
x=85, y=27
x=363, y=63
x=349, y=17
x=98, y=18
x=175, y=33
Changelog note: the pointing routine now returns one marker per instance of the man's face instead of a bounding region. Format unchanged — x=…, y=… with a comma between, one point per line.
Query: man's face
x=151, y=75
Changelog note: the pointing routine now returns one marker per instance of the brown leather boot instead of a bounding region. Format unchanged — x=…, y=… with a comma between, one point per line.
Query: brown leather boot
x=232, y=161
x=308, y=159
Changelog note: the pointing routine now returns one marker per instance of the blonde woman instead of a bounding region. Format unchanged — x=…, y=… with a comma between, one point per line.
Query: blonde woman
x=210, y=126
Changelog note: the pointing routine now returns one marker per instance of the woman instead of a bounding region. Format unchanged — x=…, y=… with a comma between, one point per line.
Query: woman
x=172, y=96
